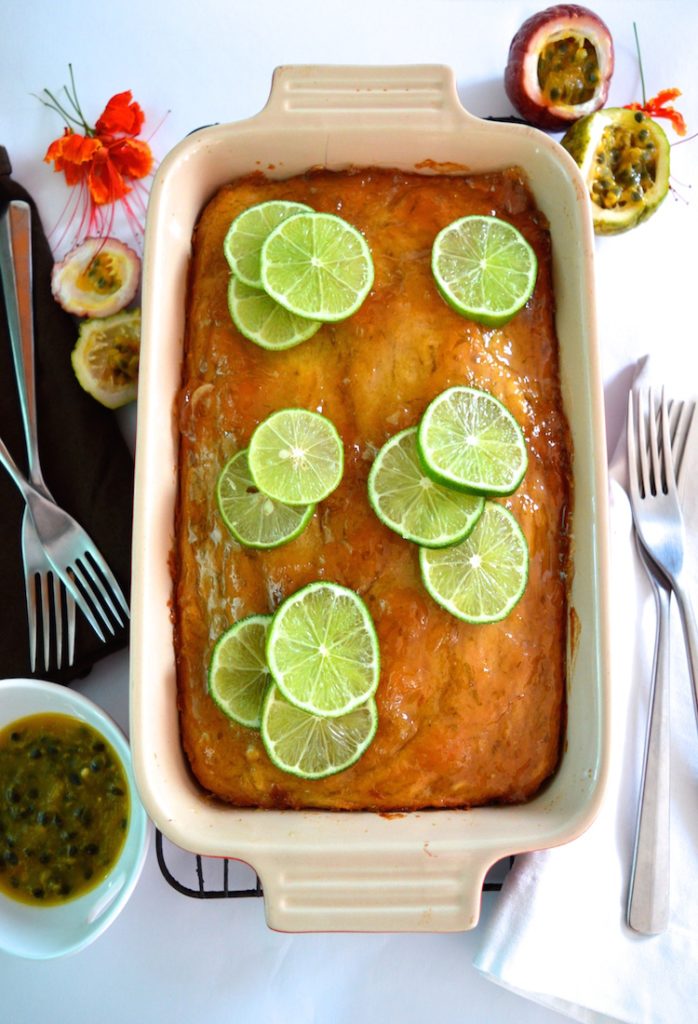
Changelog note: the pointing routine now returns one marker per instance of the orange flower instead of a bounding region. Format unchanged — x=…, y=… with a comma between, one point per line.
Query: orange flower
x=121, y=116
x=72, y=154
x=656, y=107
x=107, y=161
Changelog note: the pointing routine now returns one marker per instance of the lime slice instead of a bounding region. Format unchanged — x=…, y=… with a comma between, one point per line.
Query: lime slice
x=468, y=440
x=238, y=676
x=296, y=456
x=484, y=268
x=253, y=518
x=312, y=747
x=262, y=320
x=318, y=266
x=243, y=243
x=323, y=650
x=412, y=504
x=105, y=358
x=624, y=157
x=482, y=578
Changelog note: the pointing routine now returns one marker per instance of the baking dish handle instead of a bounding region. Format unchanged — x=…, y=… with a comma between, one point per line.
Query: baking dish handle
x=429, y=889
x=418, y=95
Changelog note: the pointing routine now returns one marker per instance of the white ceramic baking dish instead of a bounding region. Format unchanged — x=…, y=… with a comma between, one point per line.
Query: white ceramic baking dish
x=362, y=871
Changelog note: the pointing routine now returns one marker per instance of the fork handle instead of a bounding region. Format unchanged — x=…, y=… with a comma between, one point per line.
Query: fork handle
x=690, y=634
x=648, y=896
x=15, y=472
x=16, y=272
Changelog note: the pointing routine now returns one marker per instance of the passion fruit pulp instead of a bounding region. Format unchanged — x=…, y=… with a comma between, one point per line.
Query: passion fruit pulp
x=97, y=278
x=624, y=159
x=105, y=358
x=560, y=66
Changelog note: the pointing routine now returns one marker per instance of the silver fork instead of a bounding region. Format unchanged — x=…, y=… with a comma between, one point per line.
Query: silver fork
x=39, y=576
x=648, y=892
x=659, y=530
x=72, y=554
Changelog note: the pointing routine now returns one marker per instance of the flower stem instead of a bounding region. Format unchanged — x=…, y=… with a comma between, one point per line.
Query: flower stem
x=53, y=104
x=639, y=60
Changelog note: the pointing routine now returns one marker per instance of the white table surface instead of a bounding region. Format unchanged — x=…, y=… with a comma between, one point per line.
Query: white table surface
x=168, y=957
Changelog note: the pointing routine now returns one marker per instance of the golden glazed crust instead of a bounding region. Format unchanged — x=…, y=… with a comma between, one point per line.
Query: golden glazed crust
x=468, y=715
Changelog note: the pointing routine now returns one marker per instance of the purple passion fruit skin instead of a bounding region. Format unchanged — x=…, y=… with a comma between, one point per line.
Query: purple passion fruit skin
x=96, y=279
x=560, y=66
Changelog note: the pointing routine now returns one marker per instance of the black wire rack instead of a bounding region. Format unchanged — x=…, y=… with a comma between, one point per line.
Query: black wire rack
x=216, y=878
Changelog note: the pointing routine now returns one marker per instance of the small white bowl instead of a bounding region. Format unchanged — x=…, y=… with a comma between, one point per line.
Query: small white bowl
x=41, y=933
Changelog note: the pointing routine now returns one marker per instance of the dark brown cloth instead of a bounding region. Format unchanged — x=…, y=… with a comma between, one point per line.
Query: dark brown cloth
x=84, y=459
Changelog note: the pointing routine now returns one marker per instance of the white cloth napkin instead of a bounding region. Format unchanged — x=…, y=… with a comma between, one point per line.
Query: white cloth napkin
x=557, y=933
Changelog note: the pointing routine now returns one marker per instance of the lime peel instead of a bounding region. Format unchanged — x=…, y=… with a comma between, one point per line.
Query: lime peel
x=238, y=676
x=323, y=650
x=481, y=579
x=311, y=747
x=254, y=519
x=469, y=440
x=296, y=456
x=410, y=503
x=484, y=268
x=243, y=242
x=317, y=265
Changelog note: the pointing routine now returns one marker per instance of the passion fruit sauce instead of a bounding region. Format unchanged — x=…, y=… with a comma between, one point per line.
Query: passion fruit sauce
x=64, y=811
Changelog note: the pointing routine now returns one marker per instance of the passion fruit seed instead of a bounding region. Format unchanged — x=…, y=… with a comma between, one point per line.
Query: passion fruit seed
x=624, y=157
x=568, y=71
x=559, y=66
x=105, y=358
x=96, y=279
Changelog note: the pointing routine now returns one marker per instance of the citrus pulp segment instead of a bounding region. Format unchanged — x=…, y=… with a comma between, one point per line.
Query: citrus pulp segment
x=243, y=242
x=317, y=266
x=262, y=320
x=323, y=650
x=484, y=268
x=253, y=518
x=469, y=440
x=414, y=505
x=296, y=456
x=482, y=578
x=312, y=747
x=238, y=676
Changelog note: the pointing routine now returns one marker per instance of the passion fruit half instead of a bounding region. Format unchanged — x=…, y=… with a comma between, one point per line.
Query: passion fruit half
x=624, y=159
x=105, y=358
x=560, y=66
x=97, y=278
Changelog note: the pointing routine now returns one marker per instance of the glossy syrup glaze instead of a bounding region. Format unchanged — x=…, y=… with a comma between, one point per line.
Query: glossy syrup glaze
x=468, y=715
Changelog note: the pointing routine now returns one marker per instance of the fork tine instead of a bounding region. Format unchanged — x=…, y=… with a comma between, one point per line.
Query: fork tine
x=97, y=582
x=656, y=485
x=668, y=455
x=45, y=617
x=680, y=432
x=30, y=592
x=631, y=448
x=70, y=609
x=641, y=437
x=97, y=557
x=84, y=583
x=58, y=616
x=83, y=605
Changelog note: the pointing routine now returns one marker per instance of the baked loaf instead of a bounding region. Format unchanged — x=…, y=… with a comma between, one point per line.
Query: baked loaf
x=468, y=715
